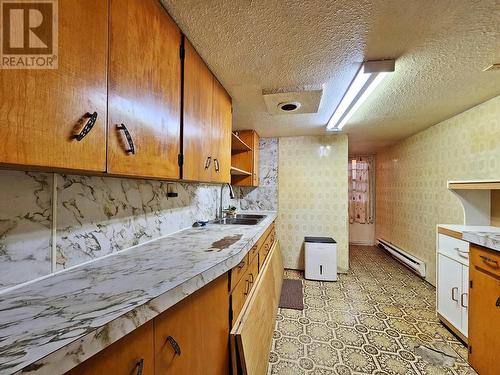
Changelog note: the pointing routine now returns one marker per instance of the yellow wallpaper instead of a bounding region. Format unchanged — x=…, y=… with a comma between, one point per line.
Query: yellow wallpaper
x=312, y=195
x=411, y=191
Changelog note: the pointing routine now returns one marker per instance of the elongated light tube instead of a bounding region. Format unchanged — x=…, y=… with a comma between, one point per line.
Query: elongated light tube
x=368, y=77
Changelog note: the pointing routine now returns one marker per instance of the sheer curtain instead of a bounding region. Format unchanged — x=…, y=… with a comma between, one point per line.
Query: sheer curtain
x=362, y=190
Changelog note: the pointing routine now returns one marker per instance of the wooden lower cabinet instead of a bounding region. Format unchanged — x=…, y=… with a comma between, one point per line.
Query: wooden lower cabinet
x=251, y=335
x=266, y=246
x=484, y=310
x=192, y=337
x=126, y=356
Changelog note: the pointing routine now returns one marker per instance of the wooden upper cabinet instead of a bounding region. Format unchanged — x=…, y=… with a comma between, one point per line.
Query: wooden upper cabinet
x=221, y=133
x=245, y=159
x=255, y=159
x=144, y=90
x=132, y=354
x=197, y=122
x=42, y=109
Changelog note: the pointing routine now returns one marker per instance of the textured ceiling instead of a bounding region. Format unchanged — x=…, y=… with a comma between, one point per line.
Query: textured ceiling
x=441, y=47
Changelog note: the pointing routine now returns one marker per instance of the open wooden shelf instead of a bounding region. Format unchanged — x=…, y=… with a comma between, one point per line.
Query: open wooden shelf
x=474, y=185
x=238, y=145
x=239, y=172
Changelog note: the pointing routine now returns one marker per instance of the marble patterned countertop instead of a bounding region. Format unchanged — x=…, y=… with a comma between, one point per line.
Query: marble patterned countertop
x=486, y=236
x=50, y=326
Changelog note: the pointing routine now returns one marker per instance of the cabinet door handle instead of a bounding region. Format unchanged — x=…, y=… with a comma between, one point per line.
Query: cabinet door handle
x=207, y=162
x=489, y=261
x=453, y=294
x=174, y=345
x=131, y=149
x=251, y=275
x=462, y=300
x=247, y=289
x=216, y=164
x=139, y=366
x=92, y=117
x=462, y=252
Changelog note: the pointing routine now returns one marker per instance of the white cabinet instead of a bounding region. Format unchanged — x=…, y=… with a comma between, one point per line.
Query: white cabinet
x=449, y=288
x=453, y=283
x=464, y=300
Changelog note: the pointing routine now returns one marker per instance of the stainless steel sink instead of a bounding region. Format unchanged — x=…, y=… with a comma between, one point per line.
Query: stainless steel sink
x=241, y=220
x=250, y=216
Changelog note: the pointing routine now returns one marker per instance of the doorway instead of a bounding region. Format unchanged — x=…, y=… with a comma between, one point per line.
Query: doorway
x=362, y=200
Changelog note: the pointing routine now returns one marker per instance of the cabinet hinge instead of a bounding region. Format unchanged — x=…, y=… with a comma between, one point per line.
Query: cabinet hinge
x=180, y=160
x=182, y=51
x=470, y=283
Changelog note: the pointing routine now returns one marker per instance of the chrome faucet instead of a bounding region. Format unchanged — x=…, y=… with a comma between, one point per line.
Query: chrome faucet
x=231, y=195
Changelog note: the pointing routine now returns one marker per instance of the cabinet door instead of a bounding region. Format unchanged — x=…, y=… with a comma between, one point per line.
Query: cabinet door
x=221, y=133
x=449, y=289
x=126, y=356
x=464, y=300
x=192, y=337
x=144, y=90
x=197, y=122
x=251, y=336
x=484, y=322
x=41, y=110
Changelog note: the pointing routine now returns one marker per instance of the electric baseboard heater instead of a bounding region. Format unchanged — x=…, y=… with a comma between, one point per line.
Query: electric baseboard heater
x=413, y=263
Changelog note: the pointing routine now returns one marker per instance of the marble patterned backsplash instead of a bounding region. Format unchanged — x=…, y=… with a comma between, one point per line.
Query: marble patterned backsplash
x=25, y=226
x=265, y=197
x=97, y=216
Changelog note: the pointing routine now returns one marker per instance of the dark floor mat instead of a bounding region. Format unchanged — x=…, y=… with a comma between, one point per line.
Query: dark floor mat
x=292, y=296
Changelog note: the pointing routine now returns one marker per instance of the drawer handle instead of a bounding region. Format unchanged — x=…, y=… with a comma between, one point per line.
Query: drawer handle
x=241, y=265
x=247, y=289
x=207, y=162
x=462, y=300
x=461, y=251
x=453, y=294
x=131, y=149
x=139, y=366
x=216, y=165
x=92, y=117
x=174, y=345
x=489, y=261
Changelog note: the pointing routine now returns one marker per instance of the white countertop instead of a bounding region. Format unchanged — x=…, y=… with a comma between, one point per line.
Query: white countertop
x=486, y=236
x=50, y=326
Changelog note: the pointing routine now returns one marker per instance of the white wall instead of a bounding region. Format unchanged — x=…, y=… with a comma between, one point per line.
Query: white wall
x=362, y=234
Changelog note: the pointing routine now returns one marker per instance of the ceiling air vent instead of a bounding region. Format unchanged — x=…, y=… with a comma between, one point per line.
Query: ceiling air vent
x=289, y=106
x=292, y=102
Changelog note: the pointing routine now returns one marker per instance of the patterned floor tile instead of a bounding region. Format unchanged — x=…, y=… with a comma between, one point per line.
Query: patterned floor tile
x=373, y=320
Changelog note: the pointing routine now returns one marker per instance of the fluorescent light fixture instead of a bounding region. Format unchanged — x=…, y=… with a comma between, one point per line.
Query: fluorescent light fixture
x=368, y=77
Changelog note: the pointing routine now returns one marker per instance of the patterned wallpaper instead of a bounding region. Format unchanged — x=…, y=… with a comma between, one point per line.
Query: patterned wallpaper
x=97, y=216
x=312, y=195
x=412, y=197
